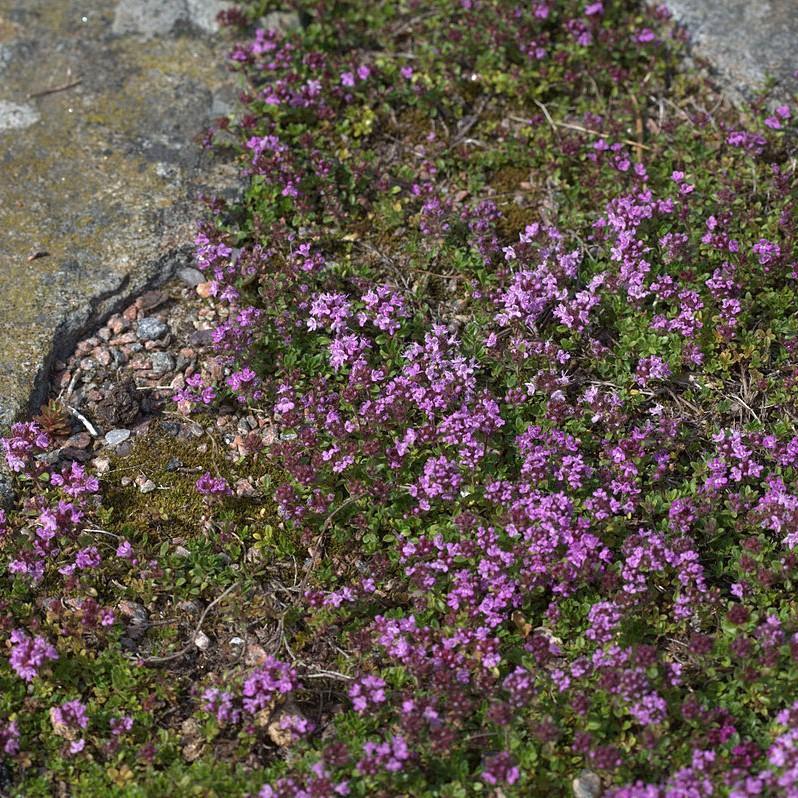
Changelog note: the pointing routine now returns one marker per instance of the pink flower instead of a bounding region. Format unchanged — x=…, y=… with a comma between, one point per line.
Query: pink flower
x=28, y=654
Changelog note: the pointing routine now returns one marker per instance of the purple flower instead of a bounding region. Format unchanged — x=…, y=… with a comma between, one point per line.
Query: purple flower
x=68, y=720
x=121, y=725
x=651, y=368
x=220, y=703
x=272, y=678
x=125, y=551
x=74, y=481
x=366, y=691
x=28, y=654
x=27, y=439
x=209, y=485
x=9, y=738
x=501, y=769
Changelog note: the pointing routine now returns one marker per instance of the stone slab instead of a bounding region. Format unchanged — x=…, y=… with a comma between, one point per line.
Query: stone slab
x=101, y=175
x=744, y=41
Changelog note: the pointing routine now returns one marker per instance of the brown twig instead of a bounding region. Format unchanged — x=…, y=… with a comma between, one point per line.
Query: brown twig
x=55, y=89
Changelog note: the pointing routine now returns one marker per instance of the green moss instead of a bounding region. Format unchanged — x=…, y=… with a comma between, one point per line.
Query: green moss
x=175, y=507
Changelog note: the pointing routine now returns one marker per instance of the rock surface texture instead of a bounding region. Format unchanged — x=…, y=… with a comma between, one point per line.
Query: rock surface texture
x=102, y=105
x=744, y=41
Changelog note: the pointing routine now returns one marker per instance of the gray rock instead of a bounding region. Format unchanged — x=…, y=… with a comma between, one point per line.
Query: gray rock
x=83, y=182
x=116, y=436
x=202, y=641
x=161, y=363
x=133, y=611
x=7, y=493
x=14, y=116
x=150, y=18
x=203, y=13
x=745, y=41
x=282, y=21
x=191, y=276
x=586, y=785
x=151, y=328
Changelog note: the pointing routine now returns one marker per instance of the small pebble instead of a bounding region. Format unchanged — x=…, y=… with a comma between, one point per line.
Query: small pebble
x=133, y=610
x=151, y=300
x=202, y=641
x=161, y=362
x=124, y=449
x=117, y=325
x=151, y=328
x=586, y=785
x=201, y=337
x=81, y=440
x=125, y=338
x=192, y=277
x=102, y=465
x=189, y=607
x=146, y=486
x=116, y=436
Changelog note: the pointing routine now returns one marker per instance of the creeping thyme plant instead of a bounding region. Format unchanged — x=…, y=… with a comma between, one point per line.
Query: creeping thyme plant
x=518, y=295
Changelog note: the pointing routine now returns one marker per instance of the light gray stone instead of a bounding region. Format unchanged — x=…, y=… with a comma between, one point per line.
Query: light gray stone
x=116, y=436
x=586, y=785
x=161, y=363
x=14, y=116
x=745, y=41
x=191, y=276
x=203, y=13
x=151, y=328
x=150, y=18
